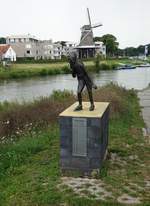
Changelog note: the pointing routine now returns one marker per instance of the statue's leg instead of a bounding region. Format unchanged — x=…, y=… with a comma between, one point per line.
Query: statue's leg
x=81, y=85
x=91, y=99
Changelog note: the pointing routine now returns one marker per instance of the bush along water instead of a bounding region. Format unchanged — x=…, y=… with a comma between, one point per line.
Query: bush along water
x=15, y=119
x=100, y=64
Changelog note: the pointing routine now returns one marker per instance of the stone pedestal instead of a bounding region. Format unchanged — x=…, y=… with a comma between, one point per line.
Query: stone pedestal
x=84, y=137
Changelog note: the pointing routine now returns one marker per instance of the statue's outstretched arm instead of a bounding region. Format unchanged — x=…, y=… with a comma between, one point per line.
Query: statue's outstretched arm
x=73, y=73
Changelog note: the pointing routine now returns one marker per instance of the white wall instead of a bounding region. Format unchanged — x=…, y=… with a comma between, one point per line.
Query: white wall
x=10, y=54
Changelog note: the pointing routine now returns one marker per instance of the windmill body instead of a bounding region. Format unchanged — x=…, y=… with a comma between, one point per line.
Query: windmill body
x=86, y=36
x=87, y=47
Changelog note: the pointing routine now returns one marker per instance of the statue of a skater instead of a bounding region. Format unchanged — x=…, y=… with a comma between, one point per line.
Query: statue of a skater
x=78, y=70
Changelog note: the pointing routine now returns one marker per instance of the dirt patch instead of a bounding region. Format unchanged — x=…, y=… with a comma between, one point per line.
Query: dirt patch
x=126, y=199
x=99, y=190
x=91, y=188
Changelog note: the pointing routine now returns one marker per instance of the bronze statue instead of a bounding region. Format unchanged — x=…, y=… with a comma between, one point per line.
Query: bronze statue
x=78, y=70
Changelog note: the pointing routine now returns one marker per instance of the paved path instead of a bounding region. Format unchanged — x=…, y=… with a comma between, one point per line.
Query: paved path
x=145, y=104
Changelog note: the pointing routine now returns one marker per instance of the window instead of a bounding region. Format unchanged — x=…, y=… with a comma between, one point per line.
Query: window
x=12, y=40
x=28, y=52
x=28, y=46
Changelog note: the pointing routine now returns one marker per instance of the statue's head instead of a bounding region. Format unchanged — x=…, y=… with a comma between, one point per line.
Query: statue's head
x=72, y=57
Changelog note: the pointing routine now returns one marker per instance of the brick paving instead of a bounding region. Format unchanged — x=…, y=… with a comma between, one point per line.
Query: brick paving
x=144, y=97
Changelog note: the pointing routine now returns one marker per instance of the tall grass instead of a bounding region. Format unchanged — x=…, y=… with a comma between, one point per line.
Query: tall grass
x=17, y=118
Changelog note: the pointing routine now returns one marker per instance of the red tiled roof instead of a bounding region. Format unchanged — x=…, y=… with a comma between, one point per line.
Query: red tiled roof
x=4, y=48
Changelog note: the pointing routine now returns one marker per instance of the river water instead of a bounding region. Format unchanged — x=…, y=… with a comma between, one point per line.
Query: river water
x=29, y=89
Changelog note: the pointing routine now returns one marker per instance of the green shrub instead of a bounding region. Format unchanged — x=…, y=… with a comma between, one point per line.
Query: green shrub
x=54, y=71
x=66, y=70
x=21, y=117
x=61, y=95
x=43, y=72
x=97, y=62
x=29, y=60
x=114, y=66
x=104, y=66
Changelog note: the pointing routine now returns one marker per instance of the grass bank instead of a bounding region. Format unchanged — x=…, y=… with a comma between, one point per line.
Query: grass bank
x=29, y=153
x=30, y=70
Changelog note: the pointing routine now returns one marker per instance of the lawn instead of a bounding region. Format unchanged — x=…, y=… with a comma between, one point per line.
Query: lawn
x=41, y=69
x=30, y=174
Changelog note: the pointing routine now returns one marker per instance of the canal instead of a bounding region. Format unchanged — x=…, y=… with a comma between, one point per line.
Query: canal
x=33, y=88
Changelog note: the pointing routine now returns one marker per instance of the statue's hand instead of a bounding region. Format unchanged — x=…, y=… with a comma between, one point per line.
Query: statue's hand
x=94, y=86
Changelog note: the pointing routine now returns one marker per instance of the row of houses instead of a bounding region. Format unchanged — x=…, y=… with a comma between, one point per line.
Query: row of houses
x=27, y=46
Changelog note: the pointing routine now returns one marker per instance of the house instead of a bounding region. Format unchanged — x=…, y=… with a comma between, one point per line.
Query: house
x=46, y=49
x=57, y=51
x=68, y=47
x=7, y=52
x=50, y=50
x=31, y=47
x=25, y=45
x=100, y=48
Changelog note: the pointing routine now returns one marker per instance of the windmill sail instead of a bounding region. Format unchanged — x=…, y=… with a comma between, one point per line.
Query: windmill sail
x=87, y=32
x=88, y=12
x=96, y=25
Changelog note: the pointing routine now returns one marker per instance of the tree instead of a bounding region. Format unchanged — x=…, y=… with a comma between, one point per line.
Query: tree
x=148, y=49
x=131, y=51
x=2, y=40
x=141, y=50
x=110, y=42
x=97, y=38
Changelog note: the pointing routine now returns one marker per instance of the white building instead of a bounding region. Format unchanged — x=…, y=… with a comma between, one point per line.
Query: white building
x=46, y=49
x=7, y=53
x=68, y=47
x=100, y=48
x=57, y=51
x=29, y=46
x=24, y=45
x=50, y=50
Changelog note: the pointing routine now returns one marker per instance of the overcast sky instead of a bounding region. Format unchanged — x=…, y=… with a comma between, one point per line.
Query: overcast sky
x=128, y=20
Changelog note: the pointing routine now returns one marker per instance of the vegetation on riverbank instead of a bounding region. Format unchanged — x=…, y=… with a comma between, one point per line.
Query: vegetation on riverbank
x=29, y=152
x=16, y=71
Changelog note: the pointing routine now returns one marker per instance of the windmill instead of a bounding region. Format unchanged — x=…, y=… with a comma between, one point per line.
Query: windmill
x=87, y=32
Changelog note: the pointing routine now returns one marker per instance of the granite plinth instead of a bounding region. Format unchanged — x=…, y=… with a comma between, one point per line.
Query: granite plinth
x=83, y=137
